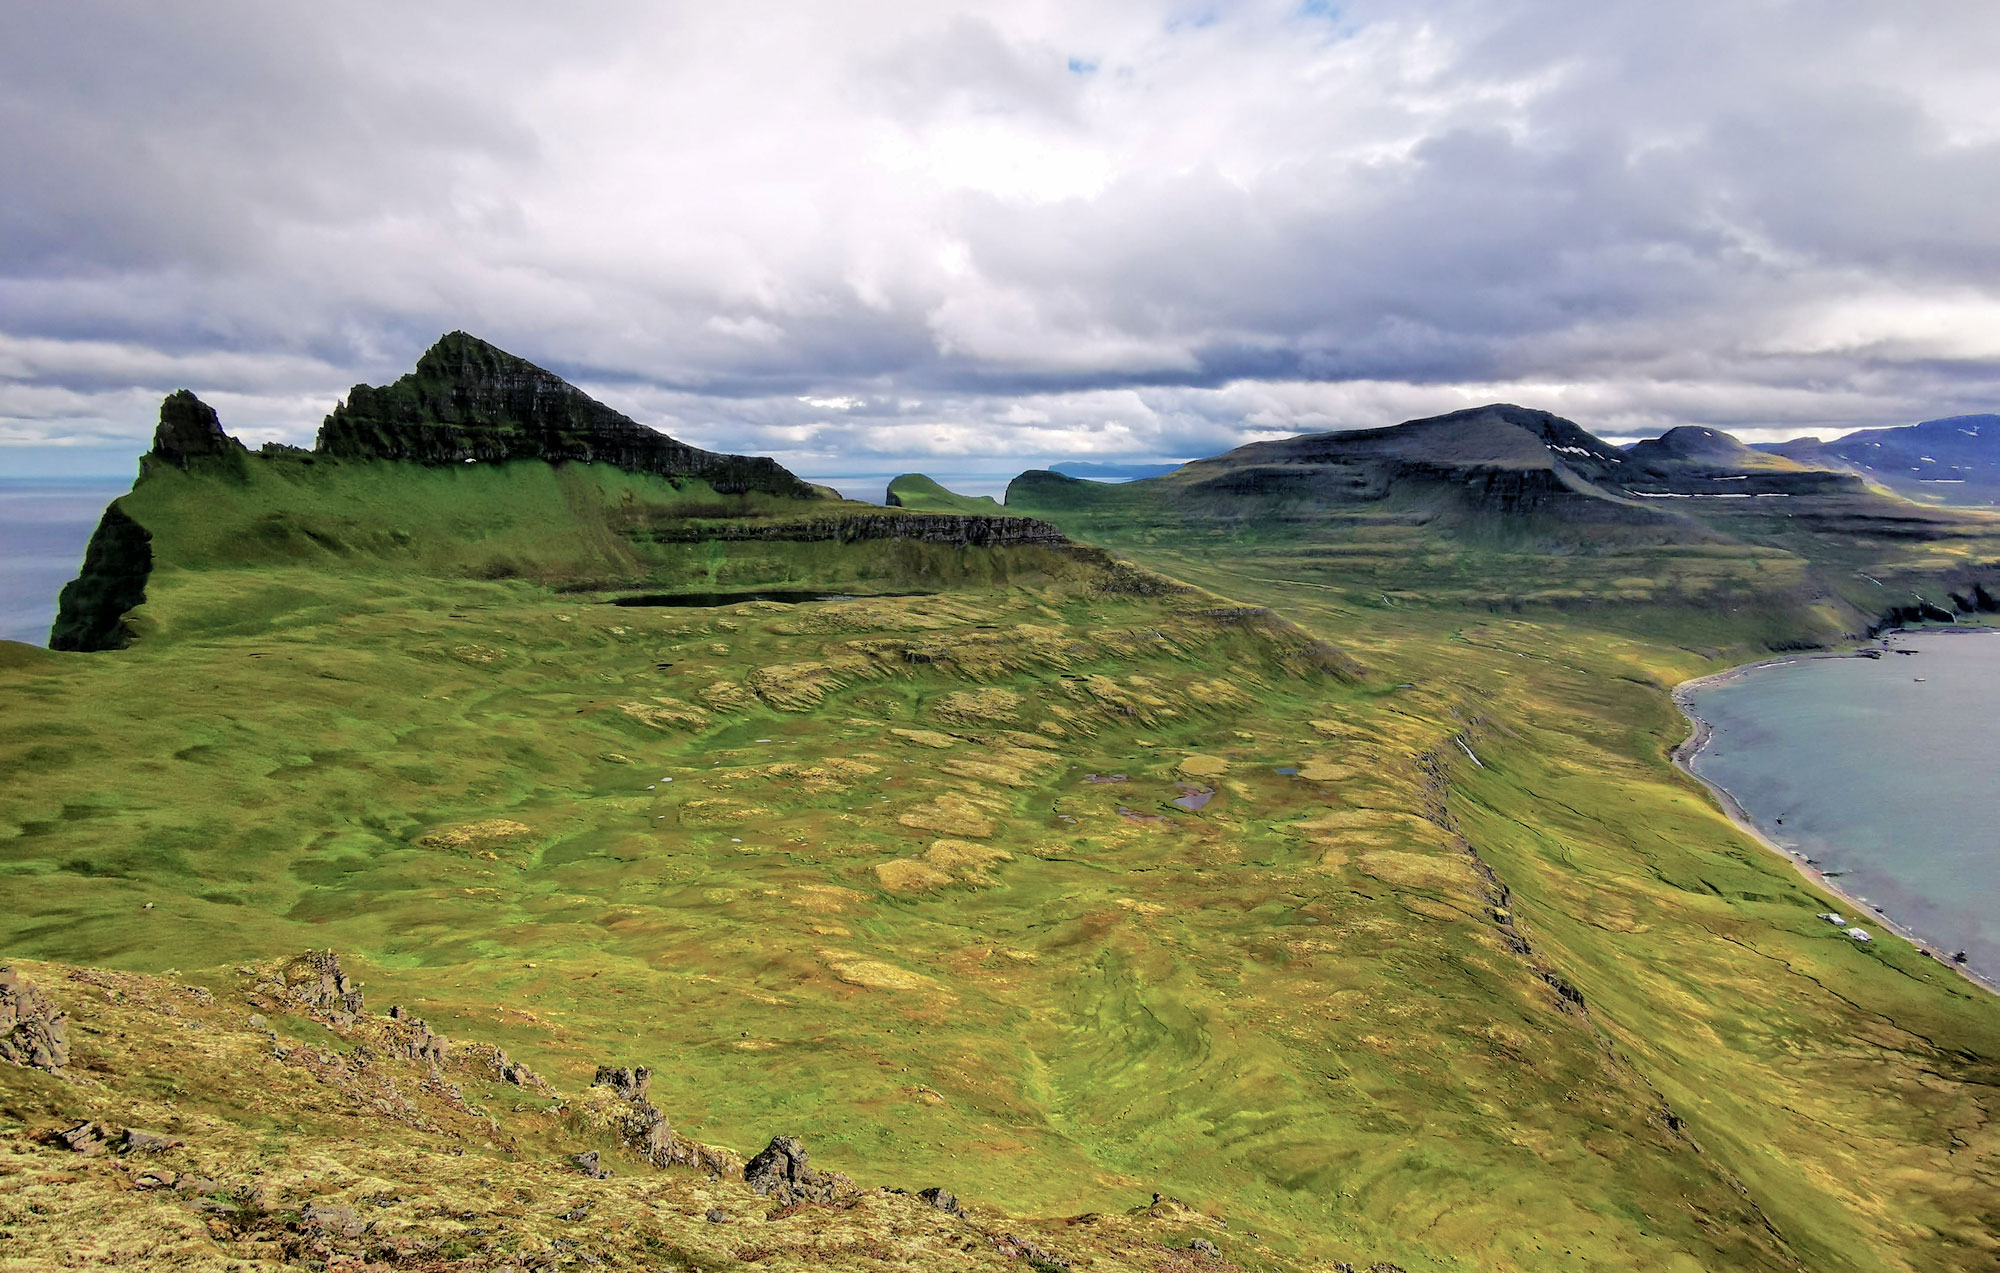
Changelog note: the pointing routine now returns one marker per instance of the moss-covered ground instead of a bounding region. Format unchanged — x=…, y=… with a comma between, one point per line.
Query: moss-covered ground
x=1383, y=929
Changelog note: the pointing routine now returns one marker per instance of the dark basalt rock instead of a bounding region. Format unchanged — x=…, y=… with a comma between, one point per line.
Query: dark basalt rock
x=33, y=1032
x=90, y=613
x=631, y=1084
x=942, y=1199
x=468, y=402
x=189, y=430
x=964, y=531
x=784, y=1172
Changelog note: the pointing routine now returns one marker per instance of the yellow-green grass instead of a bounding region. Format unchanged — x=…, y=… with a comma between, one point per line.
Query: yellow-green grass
x=926, y=494
x=883, y=905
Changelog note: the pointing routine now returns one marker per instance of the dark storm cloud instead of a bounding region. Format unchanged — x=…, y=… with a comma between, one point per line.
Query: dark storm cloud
x=906, y=230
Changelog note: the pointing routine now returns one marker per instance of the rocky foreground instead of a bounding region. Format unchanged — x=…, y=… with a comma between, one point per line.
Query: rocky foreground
x=277, y=1123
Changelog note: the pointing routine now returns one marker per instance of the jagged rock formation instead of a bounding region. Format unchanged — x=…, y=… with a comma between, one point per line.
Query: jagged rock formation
x=314, y=985
x=784, y=1172
x=189, y=430
x=33, y=1031
x=619, y=1101
x=468, y=402
x=90, y=613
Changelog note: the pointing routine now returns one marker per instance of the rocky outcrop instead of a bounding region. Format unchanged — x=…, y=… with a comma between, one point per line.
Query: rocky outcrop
x=784, y=1172
x=91, y=611
x=468, y=402
x=314, y=985
x=90, y=1137
x=190, y=431
x=943, y=1199
x=619, y=1100
x=33, y=1031
x=959, y=530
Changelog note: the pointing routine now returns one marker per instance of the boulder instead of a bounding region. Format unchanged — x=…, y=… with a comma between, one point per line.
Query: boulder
x=33, y=1032
x=784, y=1172
x=942, y=1199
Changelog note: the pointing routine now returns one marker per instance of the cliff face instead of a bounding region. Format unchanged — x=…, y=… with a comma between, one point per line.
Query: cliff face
x=930, y=528
x=468, y=402
x=90, y=614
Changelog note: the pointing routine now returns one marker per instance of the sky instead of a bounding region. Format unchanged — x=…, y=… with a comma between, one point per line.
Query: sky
x=881, y=236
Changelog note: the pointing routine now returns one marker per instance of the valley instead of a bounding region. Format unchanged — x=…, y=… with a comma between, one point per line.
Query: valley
x=1280, y=854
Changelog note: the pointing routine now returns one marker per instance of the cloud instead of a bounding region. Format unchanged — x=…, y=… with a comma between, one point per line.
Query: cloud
x=912, y=234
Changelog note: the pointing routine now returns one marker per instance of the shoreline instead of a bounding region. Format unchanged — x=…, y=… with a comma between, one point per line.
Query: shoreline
x=1701, y=732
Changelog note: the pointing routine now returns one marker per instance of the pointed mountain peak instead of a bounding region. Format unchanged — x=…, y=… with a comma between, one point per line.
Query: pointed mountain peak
x=459, y=354
x=471, y=402
x=189, y=427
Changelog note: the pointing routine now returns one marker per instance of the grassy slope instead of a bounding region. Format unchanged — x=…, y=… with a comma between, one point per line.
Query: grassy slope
x=924, y=494
x=297, y=1135
x=1296, y=1006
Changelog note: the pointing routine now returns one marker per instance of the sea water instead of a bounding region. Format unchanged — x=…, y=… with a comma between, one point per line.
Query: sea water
x=1884, y=771
x=44, y=525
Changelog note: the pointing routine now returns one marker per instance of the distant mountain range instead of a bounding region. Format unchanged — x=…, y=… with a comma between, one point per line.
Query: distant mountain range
x=1093, y=471
x=1527, y=467
x=1955, y=460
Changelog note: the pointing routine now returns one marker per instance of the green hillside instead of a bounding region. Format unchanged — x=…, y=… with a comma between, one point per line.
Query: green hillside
x=1318, y=863
x=915, y=491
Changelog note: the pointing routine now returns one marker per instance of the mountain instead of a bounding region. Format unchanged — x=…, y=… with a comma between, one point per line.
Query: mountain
x=480, y=463
x=1955, y=460
x=1508, y=507
x=468, y=402
x=1692, y=446
x=1520, y=471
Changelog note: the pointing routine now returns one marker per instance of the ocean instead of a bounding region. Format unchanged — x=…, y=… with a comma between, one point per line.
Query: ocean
x=44, y=525
x=1886, y=772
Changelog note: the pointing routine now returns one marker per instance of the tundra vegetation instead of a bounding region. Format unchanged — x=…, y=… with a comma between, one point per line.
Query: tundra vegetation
x=1446, y=968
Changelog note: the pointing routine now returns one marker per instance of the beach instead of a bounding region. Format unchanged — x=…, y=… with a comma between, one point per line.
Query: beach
x=1701, y=734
